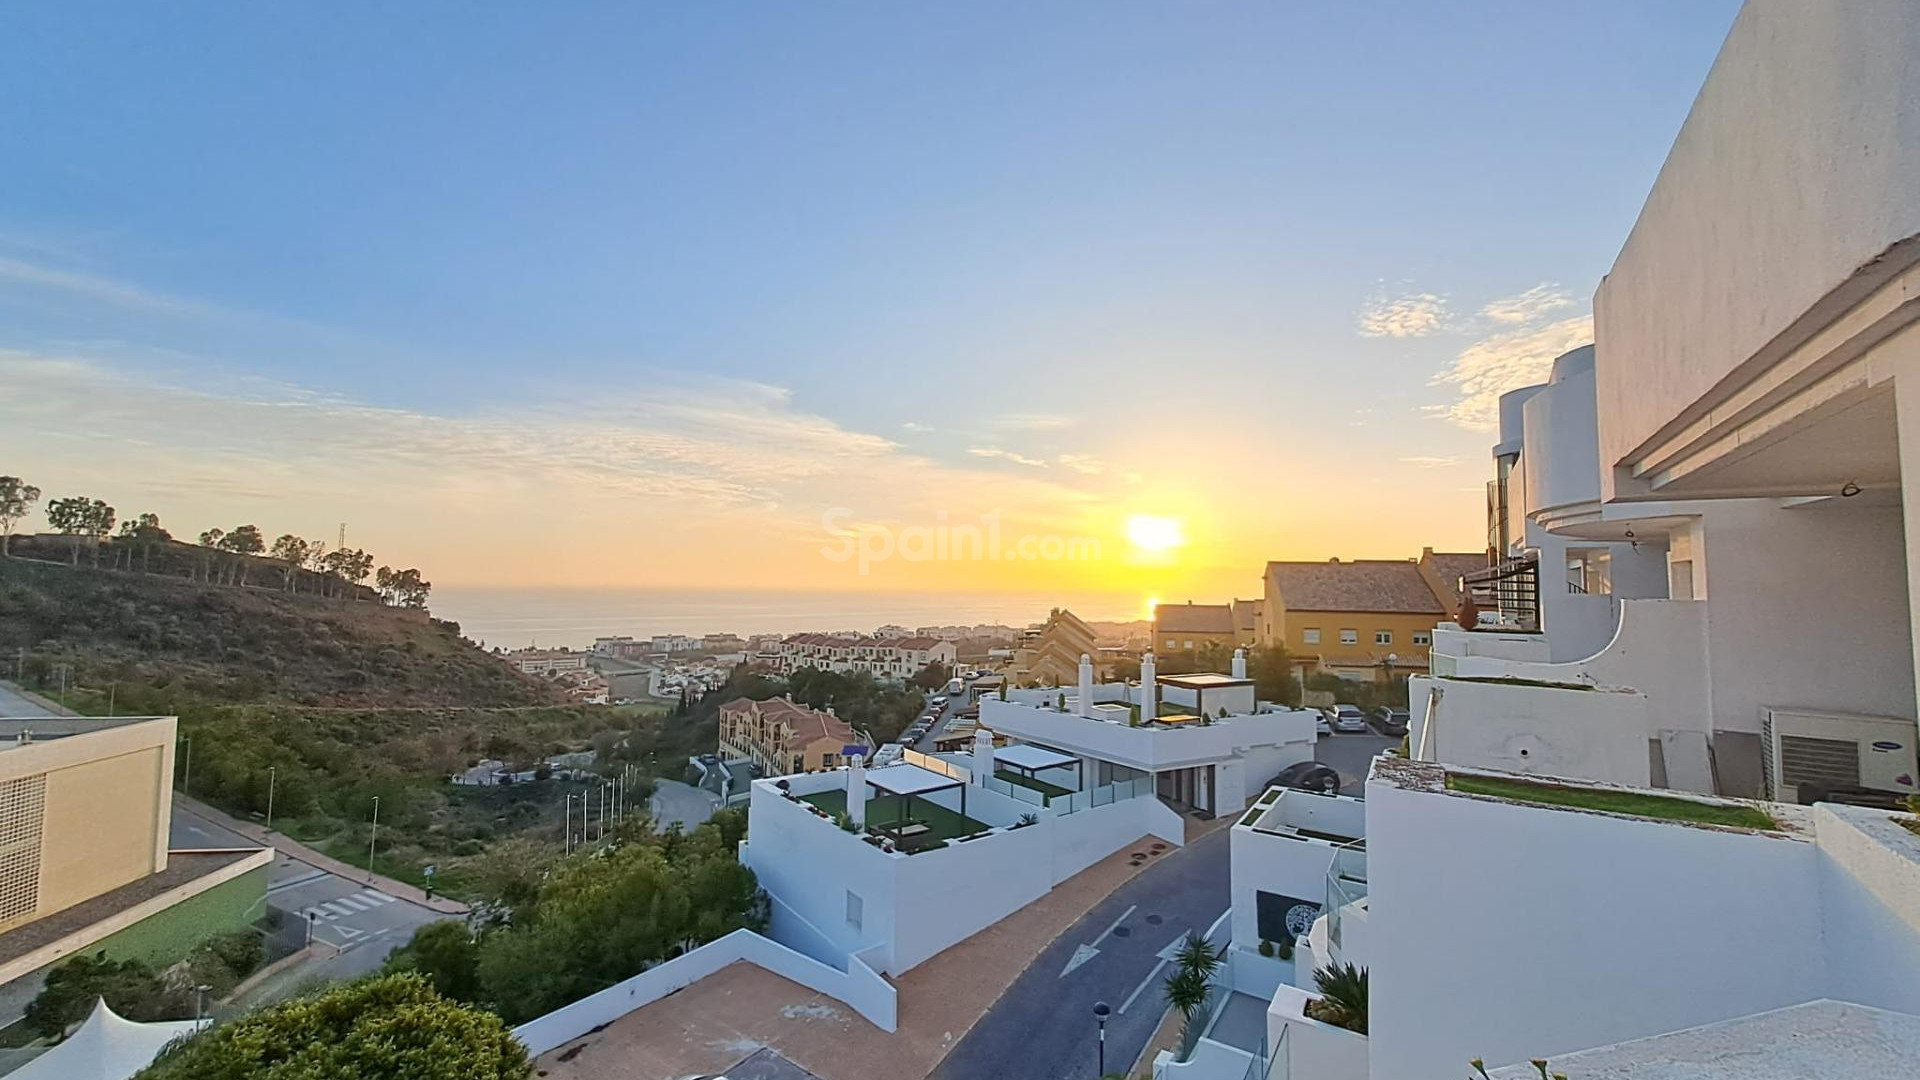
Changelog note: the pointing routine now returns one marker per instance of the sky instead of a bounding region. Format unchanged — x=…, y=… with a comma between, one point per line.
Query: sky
x=851, y=296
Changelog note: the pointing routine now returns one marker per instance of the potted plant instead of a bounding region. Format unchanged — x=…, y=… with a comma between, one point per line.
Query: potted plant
x=1343, y=997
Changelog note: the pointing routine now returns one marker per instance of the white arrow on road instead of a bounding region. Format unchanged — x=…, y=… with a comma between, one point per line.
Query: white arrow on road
x=1091, y=949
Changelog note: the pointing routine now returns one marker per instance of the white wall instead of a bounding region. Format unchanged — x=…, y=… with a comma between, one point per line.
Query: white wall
x=1808, y=609
x=858, y=986
x=811, y=865
x=1509, y=932
x=1794, y=169
x=1870, y=907
x=945, y=896
x=1587, y=734
x=1285, y=866
x=1315, y=1051
x=1083, y=838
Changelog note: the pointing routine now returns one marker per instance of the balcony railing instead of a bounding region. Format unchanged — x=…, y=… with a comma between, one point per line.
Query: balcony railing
x=1512, y=589
x=1346, y=887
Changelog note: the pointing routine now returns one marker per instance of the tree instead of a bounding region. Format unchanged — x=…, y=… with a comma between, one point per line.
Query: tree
x=401, y=588
x=934, y=676
x=349, y=566
x=292, y=550
x=243, y=541
x=81, y=519
x=447, y=954
x=130, y=987
x=16, y=500
x=1343, y=996
x=396, y=1026
x=1191, y=983
x=1271, y=669
x=143, y=532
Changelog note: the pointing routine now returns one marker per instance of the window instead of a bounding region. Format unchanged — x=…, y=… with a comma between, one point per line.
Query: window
x=1421, y=637
x=1383, y=637
x=1311, y=635
x=1349, y=637
x=1189, y=644
x=826, y=761
x=856, y=909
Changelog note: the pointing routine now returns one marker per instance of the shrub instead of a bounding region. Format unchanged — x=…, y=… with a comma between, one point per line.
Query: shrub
x=131, y=988
x=1343, y=997
x=1266, y=947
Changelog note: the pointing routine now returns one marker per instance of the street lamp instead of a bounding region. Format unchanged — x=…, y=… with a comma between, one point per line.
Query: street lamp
x=1100, y=1014
x=270, y=778
x=186, y=771
x=374, y=837
x=200, y=1010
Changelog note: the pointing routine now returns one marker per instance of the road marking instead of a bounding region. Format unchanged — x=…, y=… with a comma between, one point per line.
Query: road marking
x=337, y=909
x=351, y=902
x=373, y=897
x=1081, y=955
x=346, y=933
x=295, y=882
x=1114, y=926
x=1138, y=990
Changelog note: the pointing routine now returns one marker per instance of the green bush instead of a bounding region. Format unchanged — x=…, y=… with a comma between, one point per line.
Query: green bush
x=131, y=988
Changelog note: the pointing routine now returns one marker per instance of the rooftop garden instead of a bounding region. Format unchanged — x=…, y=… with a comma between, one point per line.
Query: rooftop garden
x=1613, y=801
x=888, y=814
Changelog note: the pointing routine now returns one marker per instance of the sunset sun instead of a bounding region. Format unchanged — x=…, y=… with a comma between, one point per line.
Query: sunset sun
x=1154, y=534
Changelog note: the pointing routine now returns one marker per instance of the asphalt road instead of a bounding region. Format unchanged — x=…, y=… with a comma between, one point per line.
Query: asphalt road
x=682, y=804
x=1352, y=756
x=942, y=719
x=1043, y=1025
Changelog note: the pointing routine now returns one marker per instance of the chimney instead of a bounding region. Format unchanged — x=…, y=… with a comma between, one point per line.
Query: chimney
x=857, y=790
x=982, y=755
x=1149, y=690
x=1086, y=685
x=1239, y=663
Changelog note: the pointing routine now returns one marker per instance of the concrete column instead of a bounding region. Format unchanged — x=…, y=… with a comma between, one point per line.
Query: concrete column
x=1086, y=685
x=1239, y=663
x=857, y=790
x=1149, y=689
x=982, y=755
x=1906, y=400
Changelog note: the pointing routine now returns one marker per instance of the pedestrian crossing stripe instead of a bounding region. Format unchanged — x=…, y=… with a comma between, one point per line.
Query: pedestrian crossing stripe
x=365, y=900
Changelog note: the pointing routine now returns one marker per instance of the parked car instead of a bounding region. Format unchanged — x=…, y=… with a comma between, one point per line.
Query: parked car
x=1323, y=721
x=1390, y=721
x=1348, y=719
x=1308, y=776
x=939, y=702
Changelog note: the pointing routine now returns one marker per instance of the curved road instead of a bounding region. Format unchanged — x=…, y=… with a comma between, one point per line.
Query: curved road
x=1043, y=1025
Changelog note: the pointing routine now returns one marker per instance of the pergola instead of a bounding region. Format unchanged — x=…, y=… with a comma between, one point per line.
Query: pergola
x=905, y=781
x=1026, y=758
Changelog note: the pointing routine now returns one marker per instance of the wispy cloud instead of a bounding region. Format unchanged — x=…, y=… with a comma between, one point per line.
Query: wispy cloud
x=1082, y=463
x=1006, y=455
x=101, y=289
x=1502, y=362
x=1527, y=307
x=915, y=426
x=1415, y=315
x=1424, y=462
x=1032, y=422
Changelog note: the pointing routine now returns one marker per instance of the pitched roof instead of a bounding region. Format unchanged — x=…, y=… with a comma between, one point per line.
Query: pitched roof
x=805, y=725
x=1191, y=618
x=1376, y=585
x=1451, y=566
x=1246, y=614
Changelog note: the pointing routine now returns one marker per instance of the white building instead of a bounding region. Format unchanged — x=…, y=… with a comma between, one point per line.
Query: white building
x=1204, y=741
x=883, y=657
x=547, y=661
x=673, y=643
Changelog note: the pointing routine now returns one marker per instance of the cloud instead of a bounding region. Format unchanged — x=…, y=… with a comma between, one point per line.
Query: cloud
x=91, y=287
x=1502, y=362
x=1527, y=307
x=1082, y=463
x=1407, y=316
x=1032, y=422
x=1006, y=455
x=1424, y=462
x=914, y=425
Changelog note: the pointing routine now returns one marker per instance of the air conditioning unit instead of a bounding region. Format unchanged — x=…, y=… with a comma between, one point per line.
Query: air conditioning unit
x=1837, y=751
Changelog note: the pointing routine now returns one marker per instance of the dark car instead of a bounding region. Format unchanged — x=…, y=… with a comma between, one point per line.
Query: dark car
x=1389, y=721
x=1308, y=776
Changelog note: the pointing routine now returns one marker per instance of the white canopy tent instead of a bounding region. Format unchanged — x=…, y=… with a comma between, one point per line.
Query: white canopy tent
x=105, y=1047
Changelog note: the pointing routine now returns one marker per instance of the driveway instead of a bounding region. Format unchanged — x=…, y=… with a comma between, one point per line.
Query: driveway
x=1352, y=756
x=1043, y=1025
x=675, y=803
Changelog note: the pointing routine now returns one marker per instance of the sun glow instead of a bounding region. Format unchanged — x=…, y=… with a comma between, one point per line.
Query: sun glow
x=1155, y=534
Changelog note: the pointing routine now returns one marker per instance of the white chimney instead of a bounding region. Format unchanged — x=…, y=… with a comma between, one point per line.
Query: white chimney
x=1086, y=685
x=1149, y=690
x=857, y=790
x=1239, y=663
x=982, y=755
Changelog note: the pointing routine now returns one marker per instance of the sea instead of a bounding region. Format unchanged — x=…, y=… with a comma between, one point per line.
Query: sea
x=552, y=617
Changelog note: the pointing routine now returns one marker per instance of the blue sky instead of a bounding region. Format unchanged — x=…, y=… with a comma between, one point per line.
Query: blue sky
x=714, y=267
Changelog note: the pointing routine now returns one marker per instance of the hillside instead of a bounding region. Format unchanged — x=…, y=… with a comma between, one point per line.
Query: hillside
x=166, y=641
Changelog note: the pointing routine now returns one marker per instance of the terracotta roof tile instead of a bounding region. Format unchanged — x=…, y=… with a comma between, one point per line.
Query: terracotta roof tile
x=1193, y=618
x=1376, y=585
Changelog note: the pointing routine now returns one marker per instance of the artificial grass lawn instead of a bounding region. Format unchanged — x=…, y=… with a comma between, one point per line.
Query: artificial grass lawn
x=1031, y=784
x=884, y=810
x=1619, y=802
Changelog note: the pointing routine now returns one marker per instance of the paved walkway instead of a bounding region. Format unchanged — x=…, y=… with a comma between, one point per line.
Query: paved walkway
x=287, y=845
x=715, y=1023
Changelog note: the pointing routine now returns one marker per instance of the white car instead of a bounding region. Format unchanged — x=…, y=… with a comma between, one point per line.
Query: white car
x=1320, y=724
x=939, y=702
x=1349, y=719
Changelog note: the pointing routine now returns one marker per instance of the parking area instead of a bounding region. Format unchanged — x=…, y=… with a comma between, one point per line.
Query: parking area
x=1352, y=756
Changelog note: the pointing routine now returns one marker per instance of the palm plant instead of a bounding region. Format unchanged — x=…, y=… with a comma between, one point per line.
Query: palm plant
x=1190, y=984
x=1343, y=989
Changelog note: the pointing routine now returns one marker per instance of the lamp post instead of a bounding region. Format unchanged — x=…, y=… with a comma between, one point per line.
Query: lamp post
x=200, y=1009
x=270, y=779
x=374, y=837
x=186, y=769
x=1100, y=1014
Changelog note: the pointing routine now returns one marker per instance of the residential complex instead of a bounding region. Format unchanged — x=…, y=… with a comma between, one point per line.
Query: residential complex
x=780, y=737
x=1363, y=619
x=884, y=657
x=1048, y=653
x=1188, y=627
x=548, y=661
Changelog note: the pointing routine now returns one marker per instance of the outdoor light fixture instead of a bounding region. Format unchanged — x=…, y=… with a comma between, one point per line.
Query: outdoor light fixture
x=1100, y=1014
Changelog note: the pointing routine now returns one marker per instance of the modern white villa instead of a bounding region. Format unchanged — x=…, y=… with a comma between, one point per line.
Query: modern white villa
x=1201, y=742
x=1653, y=819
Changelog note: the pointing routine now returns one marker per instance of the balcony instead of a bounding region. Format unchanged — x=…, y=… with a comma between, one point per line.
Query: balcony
x=1150, y=747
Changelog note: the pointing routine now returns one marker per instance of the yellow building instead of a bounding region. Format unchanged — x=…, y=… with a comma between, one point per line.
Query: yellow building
x=85, y=809
x=1361, y=619
x=1189, y=627
x=1048, y=654
x=781, y=737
